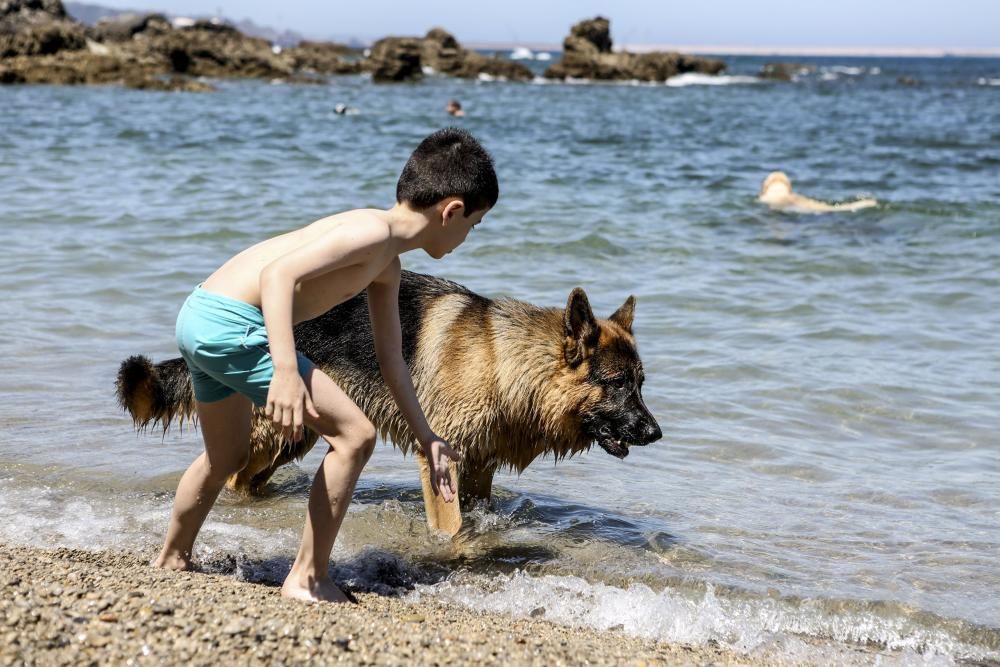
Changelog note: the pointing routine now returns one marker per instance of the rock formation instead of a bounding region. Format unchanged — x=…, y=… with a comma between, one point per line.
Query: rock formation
x=39, y=43
x=587, y=54
x=784, y=71
x=403, y=59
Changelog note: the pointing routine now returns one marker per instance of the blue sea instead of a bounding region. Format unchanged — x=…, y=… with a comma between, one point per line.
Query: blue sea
x=827, y=489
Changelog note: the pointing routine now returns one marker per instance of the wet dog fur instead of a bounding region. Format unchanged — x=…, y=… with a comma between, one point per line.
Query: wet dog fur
x=504, y=381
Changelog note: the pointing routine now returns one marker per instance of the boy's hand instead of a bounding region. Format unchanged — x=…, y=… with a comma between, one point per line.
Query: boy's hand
x=438, y=453
x=287, y=403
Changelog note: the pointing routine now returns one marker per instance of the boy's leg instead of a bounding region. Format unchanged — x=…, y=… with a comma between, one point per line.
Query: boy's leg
x=351, y=439
x=225, y=426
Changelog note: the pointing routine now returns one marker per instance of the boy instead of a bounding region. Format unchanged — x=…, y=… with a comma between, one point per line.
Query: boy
x=235, y=333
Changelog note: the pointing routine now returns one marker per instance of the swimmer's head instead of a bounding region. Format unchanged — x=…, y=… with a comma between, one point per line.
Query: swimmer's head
x=777, y=180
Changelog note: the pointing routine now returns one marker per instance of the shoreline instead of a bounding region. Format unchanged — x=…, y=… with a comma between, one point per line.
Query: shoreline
x=67, y=606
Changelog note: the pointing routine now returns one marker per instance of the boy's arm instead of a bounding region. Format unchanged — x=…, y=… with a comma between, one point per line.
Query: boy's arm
x=343, y=246
x=383, y=309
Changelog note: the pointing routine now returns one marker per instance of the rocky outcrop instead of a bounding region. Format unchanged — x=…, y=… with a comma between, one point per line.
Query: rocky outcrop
x=323, y=58
x=169, y=83
x=587, y=54
x=784, y=71
x=36, y=28
x=404, y=59
x=395, y=59
x=204, y=51
x=39, y=43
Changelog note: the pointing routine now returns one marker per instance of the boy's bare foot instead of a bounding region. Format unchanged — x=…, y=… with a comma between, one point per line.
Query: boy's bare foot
x=315, y=590
x=171, y=562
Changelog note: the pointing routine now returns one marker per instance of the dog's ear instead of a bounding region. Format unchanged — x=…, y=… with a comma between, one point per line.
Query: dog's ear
x=624, y=315
x=580, y=328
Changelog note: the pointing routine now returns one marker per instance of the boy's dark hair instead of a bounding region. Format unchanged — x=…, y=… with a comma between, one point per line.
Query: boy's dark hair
x=449, y=163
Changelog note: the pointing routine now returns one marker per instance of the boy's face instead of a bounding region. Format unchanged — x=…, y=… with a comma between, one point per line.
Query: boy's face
x=455, y=226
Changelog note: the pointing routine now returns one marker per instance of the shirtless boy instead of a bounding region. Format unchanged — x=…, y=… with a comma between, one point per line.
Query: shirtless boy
x=235, y=333
x=776, y=192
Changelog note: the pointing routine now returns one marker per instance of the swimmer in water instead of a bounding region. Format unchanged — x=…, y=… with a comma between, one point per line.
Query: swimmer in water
x=454, y=108
x=776, y=192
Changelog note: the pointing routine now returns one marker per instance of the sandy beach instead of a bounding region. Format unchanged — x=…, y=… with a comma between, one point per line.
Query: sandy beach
x=77, y=607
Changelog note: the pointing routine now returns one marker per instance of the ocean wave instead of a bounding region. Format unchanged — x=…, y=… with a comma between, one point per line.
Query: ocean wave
x=679, y=81
x=696, y=79
x=768, y=627
x=844, y=69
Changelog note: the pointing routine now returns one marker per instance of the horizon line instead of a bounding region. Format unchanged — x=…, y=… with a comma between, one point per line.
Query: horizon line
x=734, y=50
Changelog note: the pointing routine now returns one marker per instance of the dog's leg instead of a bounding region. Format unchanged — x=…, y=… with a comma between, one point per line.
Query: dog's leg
x=476, y=484
x=440, y=515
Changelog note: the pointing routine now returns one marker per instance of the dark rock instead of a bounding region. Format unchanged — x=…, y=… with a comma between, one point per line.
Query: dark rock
x=124, y=27
x=784, y=71
x=595, y=31
x=474, y=64
x=33, y=10
x=212, y=25
x=39, y=44
x=212, y=53
x=323, y=58
x=173, y=83
x=67, y=68
x=395, y=59
x=441, y=51
x=36, y=28
x=42, y=39
x=587, y=55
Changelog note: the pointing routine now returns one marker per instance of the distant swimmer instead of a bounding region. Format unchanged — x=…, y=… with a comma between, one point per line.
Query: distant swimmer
x=776, y=192
x=344, y=110
x=454, y=108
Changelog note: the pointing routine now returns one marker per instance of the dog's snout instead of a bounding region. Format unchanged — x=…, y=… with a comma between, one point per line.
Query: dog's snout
x=652, y=433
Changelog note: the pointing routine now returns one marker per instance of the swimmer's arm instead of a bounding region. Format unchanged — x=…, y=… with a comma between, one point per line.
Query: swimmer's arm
x=383, y=309
x=343, y=246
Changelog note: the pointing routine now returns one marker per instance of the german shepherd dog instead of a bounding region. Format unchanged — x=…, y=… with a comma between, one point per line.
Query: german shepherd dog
x=504, y=381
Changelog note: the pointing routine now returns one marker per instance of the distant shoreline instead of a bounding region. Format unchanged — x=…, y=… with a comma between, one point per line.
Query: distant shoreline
x=783, y=51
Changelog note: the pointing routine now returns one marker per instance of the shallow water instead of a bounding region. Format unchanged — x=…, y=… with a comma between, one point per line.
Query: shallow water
x=826, y=385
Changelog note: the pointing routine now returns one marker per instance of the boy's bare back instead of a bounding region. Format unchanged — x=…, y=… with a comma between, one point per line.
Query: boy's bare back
x=358, y=247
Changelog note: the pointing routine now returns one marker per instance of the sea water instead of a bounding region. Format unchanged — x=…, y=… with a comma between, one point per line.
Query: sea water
x=827, y=484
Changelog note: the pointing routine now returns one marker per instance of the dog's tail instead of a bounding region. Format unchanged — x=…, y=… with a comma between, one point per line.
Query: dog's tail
x=159, y=394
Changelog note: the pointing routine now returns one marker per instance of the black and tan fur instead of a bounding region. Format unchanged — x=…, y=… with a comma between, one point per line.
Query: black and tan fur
x=502, y=380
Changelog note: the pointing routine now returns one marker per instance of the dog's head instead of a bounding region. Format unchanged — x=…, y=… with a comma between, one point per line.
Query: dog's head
x=776, y=184
x=604, y=357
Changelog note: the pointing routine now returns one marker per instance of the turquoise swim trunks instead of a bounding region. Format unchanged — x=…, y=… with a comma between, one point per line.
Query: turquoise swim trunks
x=224, y=343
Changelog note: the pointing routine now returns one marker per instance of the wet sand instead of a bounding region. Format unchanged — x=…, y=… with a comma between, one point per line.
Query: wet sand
x=78, y=607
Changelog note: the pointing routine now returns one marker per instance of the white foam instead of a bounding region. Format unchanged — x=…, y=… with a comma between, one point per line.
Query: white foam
x=849, y=71
x=522, y=53
x=763, y=627
x=696, y=79
x=983, y=81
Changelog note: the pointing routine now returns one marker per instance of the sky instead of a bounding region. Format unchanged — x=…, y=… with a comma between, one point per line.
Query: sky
x=903, y=24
